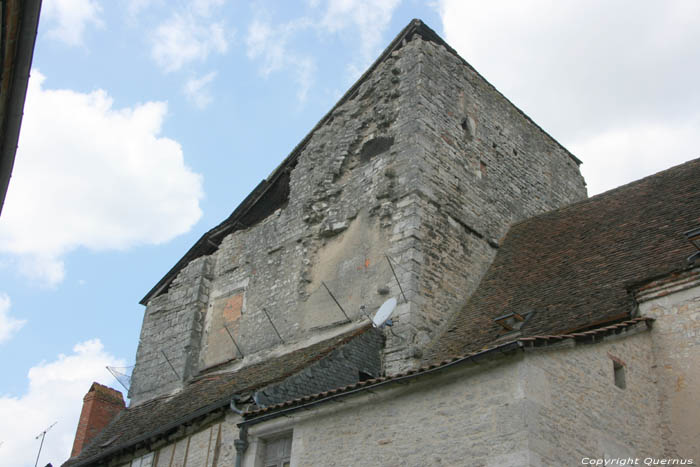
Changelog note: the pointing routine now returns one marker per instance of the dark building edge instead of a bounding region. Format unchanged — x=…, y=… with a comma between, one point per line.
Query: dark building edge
x=19, y=78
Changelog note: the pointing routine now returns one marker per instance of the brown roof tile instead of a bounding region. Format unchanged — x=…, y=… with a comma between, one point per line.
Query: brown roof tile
x=160, y=415
x=574, y=267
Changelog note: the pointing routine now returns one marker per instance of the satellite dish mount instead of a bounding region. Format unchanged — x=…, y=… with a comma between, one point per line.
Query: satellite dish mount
x=383, y=315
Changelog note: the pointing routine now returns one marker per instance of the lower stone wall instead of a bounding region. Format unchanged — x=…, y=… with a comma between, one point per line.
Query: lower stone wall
x=555, y=405
x=460, y=417
x=574, y=409
x=676, y=343
x=563, y=404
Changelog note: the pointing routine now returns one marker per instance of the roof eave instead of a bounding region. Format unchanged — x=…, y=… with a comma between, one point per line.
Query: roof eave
x=17, y=92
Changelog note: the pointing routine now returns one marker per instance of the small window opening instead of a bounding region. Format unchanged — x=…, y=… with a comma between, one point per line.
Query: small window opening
x=482, y=170
x=362, y=376
x=278, y=451
x=469, y=126
x=619, y=373
x=513, y=322
x=143, y=461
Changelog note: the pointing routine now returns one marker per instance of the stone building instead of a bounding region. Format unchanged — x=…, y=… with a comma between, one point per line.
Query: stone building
x=534, y=326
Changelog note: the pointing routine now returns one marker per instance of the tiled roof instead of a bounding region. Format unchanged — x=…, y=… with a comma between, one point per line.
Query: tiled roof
x=158, y=416
x=574, y=267
x=535, y=341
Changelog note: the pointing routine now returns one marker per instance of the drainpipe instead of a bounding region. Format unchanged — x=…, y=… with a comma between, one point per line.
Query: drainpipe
x=241, y=444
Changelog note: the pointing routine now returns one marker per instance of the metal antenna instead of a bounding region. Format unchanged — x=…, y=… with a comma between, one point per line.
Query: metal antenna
x=233, y=340
x=273, y=325
x=336, y=301
x=119, y=376
x=395, y=277
x=43, y=435
x=171, y=365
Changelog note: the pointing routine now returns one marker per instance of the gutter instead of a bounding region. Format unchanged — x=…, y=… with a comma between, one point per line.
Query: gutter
x=241, y=444
x=29, y=22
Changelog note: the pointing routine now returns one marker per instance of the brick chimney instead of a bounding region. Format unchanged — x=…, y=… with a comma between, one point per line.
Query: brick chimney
x=100, y=405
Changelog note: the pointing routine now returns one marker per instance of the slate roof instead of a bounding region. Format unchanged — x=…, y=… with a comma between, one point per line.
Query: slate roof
x=205, y=395
x=575, y=267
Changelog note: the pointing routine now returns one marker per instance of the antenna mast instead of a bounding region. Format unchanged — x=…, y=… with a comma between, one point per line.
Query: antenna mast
x=43, y=435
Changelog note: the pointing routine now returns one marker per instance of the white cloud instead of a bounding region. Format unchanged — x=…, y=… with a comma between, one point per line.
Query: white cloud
x=68, y=19
x=8, y=325
x=369, y=17
x=189, y=35
x=90, y=175
x=365, y=20
x=205, y=7
x=624, y=154
x=200, y=7
x=197, y=90
x=270, y=44
x=55, y=394
x=134, y=7
x=594, y=74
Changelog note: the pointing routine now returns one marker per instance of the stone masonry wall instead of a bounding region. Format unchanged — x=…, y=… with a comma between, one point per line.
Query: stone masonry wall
x=335, y=229
x=575, y=410
x=676, y=343
x=543, y=407
x=425, y=164
x=467, y=416
x=484, y=166
x=171, y=333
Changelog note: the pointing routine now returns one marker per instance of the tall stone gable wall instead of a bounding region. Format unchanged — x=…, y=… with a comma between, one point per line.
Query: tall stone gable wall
x=484, y=166
x=425, y=163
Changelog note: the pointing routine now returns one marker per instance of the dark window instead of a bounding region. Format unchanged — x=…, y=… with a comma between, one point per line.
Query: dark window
x=619, y=373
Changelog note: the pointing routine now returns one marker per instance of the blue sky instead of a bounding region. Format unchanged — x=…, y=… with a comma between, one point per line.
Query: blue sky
x=148, y=121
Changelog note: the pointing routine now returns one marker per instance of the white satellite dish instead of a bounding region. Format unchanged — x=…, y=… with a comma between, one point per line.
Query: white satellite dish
x=381, y=317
